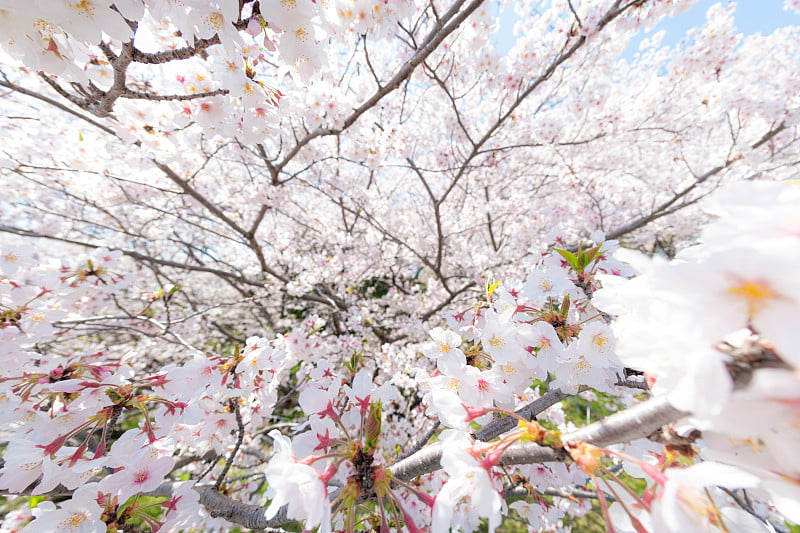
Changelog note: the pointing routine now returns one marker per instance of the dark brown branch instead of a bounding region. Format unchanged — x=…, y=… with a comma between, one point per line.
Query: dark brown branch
x=134, y=95
x=135, y=255
x=188, y=52
x=58, y=105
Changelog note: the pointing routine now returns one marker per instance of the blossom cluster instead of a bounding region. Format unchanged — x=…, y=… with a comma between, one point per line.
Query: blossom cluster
x=729, y=297
x=237, y=55
x=96, y=423
x=294, y=190
x=57, y=37
x=712, y=330
x=524, y=332
x=130, y=444
x=111, y=432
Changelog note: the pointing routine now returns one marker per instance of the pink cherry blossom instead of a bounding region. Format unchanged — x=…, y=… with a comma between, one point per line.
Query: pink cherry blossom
x=80, y=514
x=298, y=485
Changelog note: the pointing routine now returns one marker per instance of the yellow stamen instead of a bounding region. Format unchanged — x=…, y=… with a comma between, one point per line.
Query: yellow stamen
x=756, y=294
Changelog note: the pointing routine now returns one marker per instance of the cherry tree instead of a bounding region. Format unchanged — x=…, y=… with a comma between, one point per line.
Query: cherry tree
x=383, y=265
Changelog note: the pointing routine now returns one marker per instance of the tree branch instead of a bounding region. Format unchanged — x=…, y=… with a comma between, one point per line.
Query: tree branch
x=633, y=423
x=666, y=207
x=537, y=406
x=427, y=47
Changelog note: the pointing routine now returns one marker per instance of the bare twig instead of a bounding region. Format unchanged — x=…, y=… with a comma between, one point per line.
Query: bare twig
x=239, y=439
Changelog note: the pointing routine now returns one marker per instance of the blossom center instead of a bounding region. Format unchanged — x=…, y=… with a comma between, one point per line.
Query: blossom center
x=43, y=27
x=582, y=365
x=544, y=343
x=85, y=8
x=755, y=293
x=214, y=21
x=73, y=521
x=454, y=385
x=141, y=476
x=601, y=342
x=509, y=369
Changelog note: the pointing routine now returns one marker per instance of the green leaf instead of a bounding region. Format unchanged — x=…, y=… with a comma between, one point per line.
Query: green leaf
x=491, y=286
x=35, y=501
x=354, y=363
x=569, y=257
x=586, y=257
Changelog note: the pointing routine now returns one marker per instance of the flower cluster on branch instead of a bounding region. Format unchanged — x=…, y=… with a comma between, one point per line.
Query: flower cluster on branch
x=367, y=266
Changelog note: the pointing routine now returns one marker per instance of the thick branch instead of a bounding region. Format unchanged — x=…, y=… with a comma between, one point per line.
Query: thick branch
x=166, y=56
x=633, y=423
x=135, y=255
x=58, y=105
x=528, y=412
x=636, y=422
x=244, y=514
x=134, y=95
x=309, y=297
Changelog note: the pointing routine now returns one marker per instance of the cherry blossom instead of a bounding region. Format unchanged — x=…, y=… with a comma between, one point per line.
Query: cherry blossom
x=415, y=265
x=444, y=347
x=209, y=20
x=469, y=492
x=682, y=506
x=140, y=473
x=79, y=514
x=14, y=257
x=297, y=485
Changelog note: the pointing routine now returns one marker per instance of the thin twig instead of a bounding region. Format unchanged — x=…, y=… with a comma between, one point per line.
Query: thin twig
x=239, y=439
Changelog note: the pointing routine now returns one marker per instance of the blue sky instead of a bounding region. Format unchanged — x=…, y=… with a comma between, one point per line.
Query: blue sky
x=752, y=16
